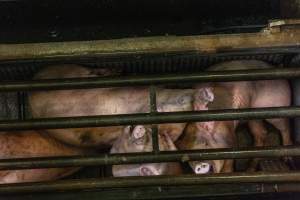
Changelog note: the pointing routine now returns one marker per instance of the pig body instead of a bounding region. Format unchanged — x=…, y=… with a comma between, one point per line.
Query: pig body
x=139, y=139
x=32, y=144
x=235, y=95
x=101, y=101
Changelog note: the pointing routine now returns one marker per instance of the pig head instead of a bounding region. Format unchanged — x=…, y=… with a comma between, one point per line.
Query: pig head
x=139, y=139
x=208, y=135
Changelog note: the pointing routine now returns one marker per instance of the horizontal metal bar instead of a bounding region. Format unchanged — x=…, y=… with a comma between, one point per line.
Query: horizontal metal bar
x=84, y=83
x=150, y=45
x=143, y=193
x=154, y=118
x=127, y=182
x=153, y=157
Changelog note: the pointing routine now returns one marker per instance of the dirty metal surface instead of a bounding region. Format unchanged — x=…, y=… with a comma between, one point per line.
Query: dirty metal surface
x=167, y=45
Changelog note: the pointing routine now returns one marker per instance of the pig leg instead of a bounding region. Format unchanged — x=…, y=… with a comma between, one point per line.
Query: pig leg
x=284, y=127
x=259, y=133
x=228, y=166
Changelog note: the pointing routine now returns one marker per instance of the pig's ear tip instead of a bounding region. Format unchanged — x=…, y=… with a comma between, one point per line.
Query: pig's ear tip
x=127, y=128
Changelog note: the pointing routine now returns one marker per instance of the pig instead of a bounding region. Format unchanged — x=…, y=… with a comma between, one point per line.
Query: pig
x=102, y=101
x=196, y=137
x=139, y=139
x=33, y=144
x=235, y=95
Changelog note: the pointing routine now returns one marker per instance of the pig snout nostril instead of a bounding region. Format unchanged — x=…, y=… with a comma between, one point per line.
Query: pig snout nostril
x=202, y=168
x=139, y=132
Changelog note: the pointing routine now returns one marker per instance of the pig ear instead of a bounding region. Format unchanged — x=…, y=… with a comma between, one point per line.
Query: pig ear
x=167, y=143
x=147, y=171
x=218, y=165
x=202, y=97
x=207, y=126
x=127, y=129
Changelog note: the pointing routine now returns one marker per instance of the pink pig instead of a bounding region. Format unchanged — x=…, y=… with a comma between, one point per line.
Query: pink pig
x=235, y=95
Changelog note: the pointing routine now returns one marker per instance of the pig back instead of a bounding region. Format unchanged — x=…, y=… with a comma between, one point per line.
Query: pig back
x=72, y=103
x=255, y=94
x=243, y=92
x=239, y=65
x=32, y=144
x=102, y=101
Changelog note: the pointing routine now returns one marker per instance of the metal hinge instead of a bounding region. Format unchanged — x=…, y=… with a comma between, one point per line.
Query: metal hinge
x=279, y=25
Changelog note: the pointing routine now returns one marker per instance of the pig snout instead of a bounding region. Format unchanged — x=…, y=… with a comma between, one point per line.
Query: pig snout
x=206, y=94
x=150, y=170
x=138, y=139
x=139, y=132
x=202, y=98
x=205, y=167
x=201, y=167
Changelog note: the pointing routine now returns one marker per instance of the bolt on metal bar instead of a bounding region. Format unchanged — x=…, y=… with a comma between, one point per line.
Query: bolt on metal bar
x=127, y=182
x=150, y=157
x=217, y=76
x=146, y=118
x=153, y=111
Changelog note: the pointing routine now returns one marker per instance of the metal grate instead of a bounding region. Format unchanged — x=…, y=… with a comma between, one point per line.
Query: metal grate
x=16, y=79
x=150, y=119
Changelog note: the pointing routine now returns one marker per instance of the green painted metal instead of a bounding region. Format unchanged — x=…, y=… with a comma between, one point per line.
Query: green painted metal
x=158, y=192
x=127, y=182
x=172, y=156
x=151, y=118
x=153, y=109
x=82, y=83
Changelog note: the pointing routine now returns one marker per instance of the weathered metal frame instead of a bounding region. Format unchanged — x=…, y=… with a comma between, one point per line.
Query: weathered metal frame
x=148, y=118
x=169, y=192
x=84, y=83
x=149, y=157
x=275, y=39
x=127, y=182
x=272, y=37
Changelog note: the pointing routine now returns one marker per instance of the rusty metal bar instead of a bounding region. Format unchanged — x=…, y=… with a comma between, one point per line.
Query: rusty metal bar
x=133, y=158
x=84, y=83
x=150, y=45
x=146, y=118
x=127, y=182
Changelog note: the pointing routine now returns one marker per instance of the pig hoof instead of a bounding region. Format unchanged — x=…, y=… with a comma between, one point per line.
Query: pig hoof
x=139, y=132
x=202, y=168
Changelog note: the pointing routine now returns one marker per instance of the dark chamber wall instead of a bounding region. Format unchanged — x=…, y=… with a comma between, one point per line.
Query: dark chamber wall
x=58, y=20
